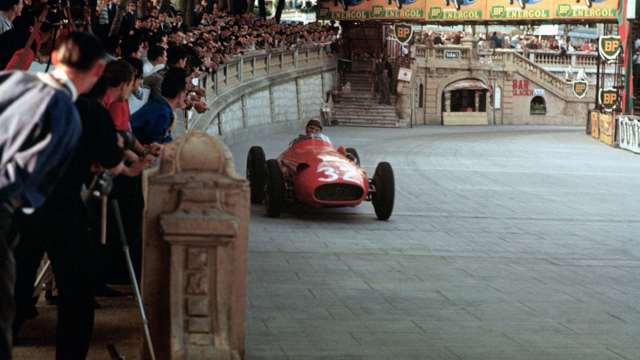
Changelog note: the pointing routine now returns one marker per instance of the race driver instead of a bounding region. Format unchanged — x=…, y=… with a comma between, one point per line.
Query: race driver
x=313, y=130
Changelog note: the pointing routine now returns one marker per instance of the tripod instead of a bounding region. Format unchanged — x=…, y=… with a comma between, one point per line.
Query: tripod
x=45, y=278
x=132, y=275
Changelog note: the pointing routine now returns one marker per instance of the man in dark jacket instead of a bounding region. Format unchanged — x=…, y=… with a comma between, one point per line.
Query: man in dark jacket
x=39, y=128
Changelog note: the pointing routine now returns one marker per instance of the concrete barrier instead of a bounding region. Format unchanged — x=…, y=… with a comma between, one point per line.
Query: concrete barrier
x=195, y=235
x=259, y=94
x=629, y=133
x=195, y=230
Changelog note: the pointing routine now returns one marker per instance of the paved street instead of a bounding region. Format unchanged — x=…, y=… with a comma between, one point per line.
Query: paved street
x=506, y=243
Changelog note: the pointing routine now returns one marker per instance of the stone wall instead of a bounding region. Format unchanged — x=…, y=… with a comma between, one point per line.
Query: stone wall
x=281, y=106
x=286, y=96
x=435, y=72
x=559, y=111
x=310, y=95
x=258, y=108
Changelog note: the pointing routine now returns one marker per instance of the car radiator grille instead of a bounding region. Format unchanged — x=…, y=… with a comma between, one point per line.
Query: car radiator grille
x=338, y=192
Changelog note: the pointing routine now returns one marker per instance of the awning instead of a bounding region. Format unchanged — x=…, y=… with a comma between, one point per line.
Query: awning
x=548, y=30
x=466, y=84
x=583, y=33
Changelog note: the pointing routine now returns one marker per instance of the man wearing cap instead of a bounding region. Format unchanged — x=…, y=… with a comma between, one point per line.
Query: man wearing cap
x=39, y=129
x=313, y=130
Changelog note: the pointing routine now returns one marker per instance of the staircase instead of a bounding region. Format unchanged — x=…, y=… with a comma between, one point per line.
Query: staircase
x=360, y=107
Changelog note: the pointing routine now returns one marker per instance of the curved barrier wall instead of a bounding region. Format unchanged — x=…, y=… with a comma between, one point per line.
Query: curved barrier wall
x=259, y=94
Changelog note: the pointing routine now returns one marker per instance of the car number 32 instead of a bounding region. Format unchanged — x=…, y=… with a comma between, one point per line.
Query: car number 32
x=335, y=172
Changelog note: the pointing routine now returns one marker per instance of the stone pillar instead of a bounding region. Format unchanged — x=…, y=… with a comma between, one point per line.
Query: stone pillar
x=477, y=100
x=195, y=252
x=447, y=101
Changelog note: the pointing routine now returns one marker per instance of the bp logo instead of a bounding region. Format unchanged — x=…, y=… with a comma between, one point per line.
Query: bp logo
x=580, y=88
x=435, y=13
x=403, y=32
x=608, y=98
x=609, y=47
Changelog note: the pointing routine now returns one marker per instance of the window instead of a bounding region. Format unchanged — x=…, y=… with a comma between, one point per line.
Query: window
x=538, y=106
x=421, y=97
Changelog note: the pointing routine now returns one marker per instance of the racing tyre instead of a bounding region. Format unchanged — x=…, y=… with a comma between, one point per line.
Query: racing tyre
x=384, y=194
x=354, y=153
x=274, y=189
x=256, y=173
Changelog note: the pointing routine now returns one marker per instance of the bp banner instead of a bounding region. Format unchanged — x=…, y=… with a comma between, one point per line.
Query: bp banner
x=456, y=10
x=510, y=10
x=546, y=10
x=359, y=10
x=586, y=10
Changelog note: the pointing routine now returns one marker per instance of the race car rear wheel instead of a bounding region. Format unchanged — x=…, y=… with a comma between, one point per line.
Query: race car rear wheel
x=354, y=153
x=384, y=193
x=274, y=189
x=256, y=173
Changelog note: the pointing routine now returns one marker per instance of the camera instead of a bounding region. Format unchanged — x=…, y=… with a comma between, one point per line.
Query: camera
x=56, y=15
x=101, y=185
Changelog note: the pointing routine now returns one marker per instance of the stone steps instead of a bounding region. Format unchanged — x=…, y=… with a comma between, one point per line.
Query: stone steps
x=365, y=121
x=377, y=109
x=360, y=107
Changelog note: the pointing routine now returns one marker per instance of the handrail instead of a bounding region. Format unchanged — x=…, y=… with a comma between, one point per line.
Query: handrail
x=586, y=59
x=508, y=58
x=244, y=69
x=548, y=77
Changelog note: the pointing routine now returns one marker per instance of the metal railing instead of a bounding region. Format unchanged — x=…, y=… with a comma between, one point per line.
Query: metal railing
x=243, y=69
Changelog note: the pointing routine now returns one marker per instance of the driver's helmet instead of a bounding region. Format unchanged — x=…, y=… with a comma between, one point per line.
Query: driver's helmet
x=314, y=122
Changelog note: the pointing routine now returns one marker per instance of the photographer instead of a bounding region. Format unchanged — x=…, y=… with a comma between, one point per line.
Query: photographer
x=61, y=226
x=39, y=127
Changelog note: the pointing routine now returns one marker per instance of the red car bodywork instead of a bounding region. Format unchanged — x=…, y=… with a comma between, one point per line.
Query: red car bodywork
x=322, y=176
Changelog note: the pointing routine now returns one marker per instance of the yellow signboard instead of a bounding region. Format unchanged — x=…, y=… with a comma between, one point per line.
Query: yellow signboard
x=607, y=128
x=586, y=9
x=360, y=10
x=595, y=127
x=456, y=10
x=514, y=10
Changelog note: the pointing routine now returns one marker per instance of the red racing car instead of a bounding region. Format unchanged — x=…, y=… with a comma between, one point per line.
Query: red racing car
x=312, y=172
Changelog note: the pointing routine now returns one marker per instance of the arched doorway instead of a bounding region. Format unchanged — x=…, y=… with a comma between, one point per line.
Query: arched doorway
x=464, y=102
x=538, y=106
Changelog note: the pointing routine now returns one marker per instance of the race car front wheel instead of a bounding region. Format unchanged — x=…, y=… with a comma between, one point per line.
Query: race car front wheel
x=256, y=173
x=274, y=189
x=384, y=193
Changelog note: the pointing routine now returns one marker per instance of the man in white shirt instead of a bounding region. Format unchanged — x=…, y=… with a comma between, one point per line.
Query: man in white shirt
x=9, y=10
x=156, y=60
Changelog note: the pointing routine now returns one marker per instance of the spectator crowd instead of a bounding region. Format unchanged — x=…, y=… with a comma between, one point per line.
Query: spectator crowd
x=497, y=40
x=104, y=112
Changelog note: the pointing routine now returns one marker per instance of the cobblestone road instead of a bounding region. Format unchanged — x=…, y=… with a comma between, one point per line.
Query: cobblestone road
x=506, y=243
